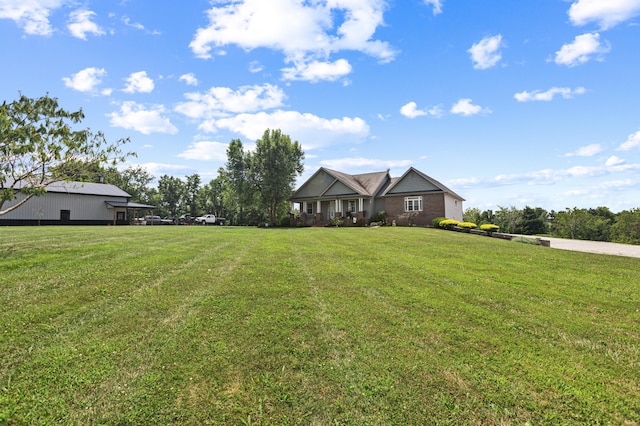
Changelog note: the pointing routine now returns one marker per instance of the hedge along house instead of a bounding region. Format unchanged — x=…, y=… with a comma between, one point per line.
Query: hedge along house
x=412, y=199
x=74, y=203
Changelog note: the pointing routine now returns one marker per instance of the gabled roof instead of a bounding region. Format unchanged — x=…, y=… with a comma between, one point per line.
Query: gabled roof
x=396, y=181
x=365, y=185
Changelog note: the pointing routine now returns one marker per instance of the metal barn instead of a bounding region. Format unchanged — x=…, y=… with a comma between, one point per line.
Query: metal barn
x=75, y=203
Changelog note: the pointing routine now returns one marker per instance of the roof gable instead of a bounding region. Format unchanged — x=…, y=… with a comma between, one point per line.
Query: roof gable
x=414, y=181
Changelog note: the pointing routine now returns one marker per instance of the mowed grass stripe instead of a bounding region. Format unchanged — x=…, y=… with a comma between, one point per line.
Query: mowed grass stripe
x=312, y=326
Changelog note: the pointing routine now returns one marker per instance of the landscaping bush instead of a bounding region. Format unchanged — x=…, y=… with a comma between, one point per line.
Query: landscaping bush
x=336, y=221
x=449, y=223
x=436, y=222
x=381, y=217
x=490, y=228
x=467, y=225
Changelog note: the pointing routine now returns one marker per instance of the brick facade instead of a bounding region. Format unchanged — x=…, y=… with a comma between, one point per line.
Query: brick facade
x=432, y=207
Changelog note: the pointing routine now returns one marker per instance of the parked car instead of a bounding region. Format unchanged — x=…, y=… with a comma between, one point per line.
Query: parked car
x=207, y=219
x=157, y=220
x=185, y=219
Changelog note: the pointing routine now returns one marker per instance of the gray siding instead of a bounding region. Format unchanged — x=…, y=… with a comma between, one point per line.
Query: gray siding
x=413, y=183
x=341, y=189
x=48, y=207
x=316, y=185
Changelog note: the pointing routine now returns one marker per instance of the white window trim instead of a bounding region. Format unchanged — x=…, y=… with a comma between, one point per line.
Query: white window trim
x=413, y=201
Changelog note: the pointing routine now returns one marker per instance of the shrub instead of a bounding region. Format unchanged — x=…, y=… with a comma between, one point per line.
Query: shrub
x=381, y=216
x=449, y=223
x=336, y=221
x=467, y=225
x=436, y=222
x=489, y=227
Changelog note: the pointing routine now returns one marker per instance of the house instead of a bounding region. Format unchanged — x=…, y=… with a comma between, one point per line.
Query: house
x=74, y=203
x=411, y=199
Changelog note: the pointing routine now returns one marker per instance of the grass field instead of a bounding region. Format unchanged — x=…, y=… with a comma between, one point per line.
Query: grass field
x=223, y=325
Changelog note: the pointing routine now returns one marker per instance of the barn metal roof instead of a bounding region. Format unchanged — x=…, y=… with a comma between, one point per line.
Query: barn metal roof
x=87, y=188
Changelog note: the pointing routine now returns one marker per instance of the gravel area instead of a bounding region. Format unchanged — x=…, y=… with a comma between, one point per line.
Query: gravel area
x=595, y=247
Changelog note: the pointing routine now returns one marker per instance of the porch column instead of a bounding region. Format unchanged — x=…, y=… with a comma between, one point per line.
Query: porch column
x=338, y=208
x=318, y=206
x=360, y=204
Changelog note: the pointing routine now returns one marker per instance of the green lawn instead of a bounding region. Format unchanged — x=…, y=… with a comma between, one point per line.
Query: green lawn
x=225, y=325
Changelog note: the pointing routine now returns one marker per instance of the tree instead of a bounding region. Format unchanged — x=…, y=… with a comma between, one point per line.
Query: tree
x=171, y=191
x=627, y=227
x=191, y=193
x=274, y=167
x=211, y=195
x=531, y=221
x=133, y=180
x=240, y=193
x=38, y=147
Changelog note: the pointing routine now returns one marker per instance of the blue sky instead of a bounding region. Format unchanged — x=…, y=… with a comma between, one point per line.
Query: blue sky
x=509, y=103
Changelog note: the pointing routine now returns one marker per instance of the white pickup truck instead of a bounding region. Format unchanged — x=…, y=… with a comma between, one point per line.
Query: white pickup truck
x=207, y=219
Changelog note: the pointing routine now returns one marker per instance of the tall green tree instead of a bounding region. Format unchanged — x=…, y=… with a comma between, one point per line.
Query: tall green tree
x=192, y=187
x=274, y=167
x=39, y=146
x=171, y=191
x=240, y=193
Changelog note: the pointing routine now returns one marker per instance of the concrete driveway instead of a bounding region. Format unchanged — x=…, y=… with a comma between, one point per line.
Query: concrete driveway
x=595, y=247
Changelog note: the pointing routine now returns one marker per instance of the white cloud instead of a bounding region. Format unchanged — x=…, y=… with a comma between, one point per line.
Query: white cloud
x=138, y=82
x=189, y=78
x=586, y=151
x=159, y=169
x=437, y=5
x=466, y=108
x=410, y=110
x=537, y=95
x=80, y=24
x=220, y=101
x=310, y=130
x=364, y=163
x=486, y=53
x=205, y=150
x=607, y=13
x=146, y=121
x=633, y=141
x=581, y=50
x=137, y=25
x=305, y=32
x=32, y=16
x=613, y=161
x=85, y=80
x=315, y=71
x=255, y=67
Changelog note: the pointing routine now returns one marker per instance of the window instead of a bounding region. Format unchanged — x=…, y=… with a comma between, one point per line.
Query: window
x=352, y=206
x=309, y=208
x=412, y=204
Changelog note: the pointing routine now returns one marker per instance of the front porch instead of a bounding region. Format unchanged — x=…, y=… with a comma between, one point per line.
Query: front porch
x=322, y=212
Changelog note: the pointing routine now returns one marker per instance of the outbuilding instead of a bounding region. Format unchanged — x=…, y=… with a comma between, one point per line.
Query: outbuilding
x=75, y=203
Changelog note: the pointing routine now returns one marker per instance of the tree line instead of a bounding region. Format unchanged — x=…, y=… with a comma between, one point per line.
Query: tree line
x=595, y=224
